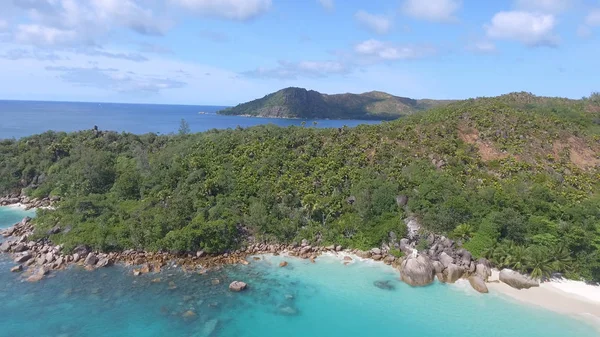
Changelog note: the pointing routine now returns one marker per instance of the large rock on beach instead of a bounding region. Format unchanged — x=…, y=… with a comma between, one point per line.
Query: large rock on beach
x=452, y=273
x=438, y=266
x=5, y=246
x=478, y=284
x=517, y=280
x=23, y=257
x=446, y=259
x=237, y=286
x=483, y=269
x=91, y=259
x=417, y=270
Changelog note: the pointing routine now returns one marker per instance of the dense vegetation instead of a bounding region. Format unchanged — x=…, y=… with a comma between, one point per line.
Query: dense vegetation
x=302, y=103
x=516, y=178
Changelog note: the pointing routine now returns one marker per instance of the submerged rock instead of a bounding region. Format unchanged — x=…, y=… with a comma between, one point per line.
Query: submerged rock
x=237, y=286
x=208, y=328
x=417, y=270
x=189, y=315
x=288, y=311
x=385, y=285
x=17, y=269
x=283, y=264
x=478, y=284
x=517, y=280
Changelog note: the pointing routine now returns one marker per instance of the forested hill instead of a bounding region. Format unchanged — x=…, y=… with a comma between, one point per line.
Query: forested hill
x=302, y=103
x=516, y=178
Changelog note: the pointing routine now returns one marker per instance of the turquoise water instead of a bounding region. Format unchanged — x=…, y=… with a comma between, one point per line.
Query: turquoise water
x=11, y=215
x=303, y=299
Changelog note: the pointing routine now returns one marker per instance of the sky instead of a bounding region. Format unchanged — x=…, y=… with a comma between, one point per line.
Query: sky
x=223, y=52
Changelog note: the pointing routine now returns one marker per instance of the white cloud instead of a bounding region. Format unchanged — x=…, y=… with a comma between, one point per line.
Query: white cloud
x=593, y=18
x=485, y=47
x=227, y=9
x=71, y=22
x=3, y=24
x=531, y=29
x=44, y=36
x=377, y=23
x=327, y=4
x=385, y=51
x=294, y=70
x=544, y=6
x=432, y=10
x=128, y=14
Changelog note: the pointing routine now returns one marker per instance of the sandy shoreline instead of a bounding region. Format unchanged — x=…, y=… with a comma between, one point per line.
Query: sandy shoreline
x=573, y=298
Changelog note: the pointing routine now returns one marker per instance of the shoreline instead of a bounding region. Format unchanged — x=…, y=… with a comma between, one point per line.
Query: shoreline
x=572, y=298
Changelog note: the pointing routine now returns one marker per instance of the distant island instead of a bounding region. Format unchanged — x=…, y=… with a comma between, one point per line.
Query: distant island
x=310, y=104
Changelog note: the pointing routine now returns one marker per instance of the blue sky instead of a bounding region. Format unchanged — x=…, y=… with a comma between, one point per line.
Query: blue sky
x=230, y=51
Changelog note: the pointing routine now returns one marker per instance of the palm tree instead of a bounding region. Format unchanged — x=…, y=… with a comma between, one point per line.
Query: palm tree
x=517, y=257
x=561, y=258
x=539, y=263
x=463, y=232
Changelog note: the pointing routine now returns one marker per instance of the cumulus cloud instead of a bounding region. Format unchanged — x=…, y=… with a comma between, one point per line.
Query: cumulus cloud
x=544, y=6
x=386, y=51
x=327, y=4
x=44, y=36
x=114, y=79
x=484, y=47
x=70, y=22
x=294, y=70
x=432, y=10
x=227, y=9
x=531, y=29
x=593, y=18
x=376, y=23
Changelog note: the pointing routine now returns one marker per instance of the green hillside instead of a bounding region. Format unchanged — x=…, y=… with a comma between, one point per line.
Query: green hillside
x=516, y=178
x=310, y=104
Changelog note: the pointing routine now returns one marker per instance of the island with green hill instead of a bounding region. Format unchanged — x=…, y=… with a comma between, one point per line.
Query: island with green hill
x=310, y=104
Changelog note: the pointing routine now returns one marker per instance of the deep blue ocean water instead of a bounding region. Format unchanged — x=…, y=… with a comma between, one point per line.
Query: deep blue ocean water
x=24, y=118
x=325, y=299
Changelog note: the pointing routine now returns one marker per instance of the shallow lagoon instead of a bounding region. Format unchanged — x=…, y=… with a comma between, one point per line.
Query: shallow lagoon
x=303, y=299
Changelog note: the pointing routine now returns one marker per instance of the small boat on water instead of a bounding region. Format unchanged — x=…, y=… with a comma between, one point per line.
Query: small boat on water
x=201, y=113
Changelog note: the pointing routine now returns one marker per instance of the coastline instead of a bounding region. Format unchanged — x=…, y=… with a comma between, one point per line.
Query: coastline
x=572, y=298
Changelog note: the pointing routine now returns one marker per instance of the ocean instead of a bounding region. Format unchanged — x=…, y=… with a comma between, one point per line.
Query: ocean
x=326, y=299
x=25, y=118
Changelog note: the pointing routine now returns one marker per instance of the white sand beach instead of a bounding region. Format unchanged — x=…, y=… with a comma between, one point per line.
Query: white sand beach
x=574, y=298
